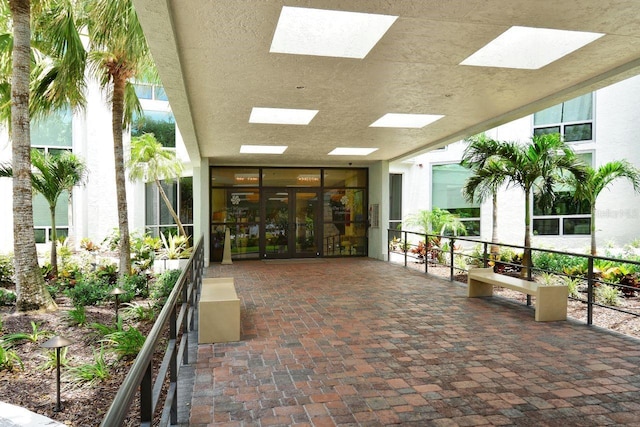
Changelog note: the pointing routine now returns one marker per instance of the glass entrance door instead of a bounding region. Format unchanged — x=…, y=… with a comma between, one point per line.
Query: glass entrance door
x=291, y=223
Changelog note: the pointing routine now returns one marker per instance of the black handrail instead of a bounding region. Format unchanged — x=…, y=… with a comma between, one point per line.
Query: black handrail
x=179, y=313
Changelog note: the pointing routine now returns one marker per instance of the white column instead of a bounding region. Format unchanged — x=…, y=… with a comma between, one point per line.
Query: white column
x=201, y=193
x=379, y=194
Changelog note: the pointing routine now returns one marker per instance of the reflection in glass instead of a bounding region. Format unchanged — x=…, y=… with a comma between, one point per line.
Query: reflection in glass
x=277, y=222
x=306, y=208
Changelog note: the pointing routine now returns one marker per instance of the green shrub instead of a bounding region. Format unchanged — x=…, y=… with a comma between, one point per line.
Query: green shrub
x=9, y=359
x=608, y=295
x=34, y=336
x=6, y=269
x=164, y=285
x=107, y=272
x=88, y=292
x=91, y=372
x=558, y=263
x=139, y=312
x=126, y=342
x=52, y=359
x=77, y=316
x=572, y=284
x=7, y=297
x=136, y=285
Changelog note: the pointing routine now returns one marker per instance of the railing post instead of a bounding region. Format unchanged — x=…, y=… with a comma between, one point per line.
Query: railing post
x=146, y=396
x=590, y=296
x=485, y=256
x=426, y=254
x=388, y=245
x=404, y=248
x=173, y=362
x=527, y=251
x=452, y=243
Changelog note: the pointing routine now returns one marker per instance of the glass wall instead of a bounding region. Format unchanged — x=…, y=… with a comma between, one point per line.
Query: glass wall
x=288, y=212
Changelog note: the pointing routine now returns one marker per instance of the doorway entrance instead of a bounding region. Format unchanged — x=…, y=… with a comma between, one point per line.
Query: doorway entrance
x=291, y=223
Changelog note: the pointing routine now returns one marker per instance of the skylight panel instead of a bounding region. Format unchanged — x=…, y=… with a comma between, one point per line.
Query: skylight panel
x=352, y=151
x=319, y=32
x=281, y=116
x=263, y=149
x=529, y=48
x=395, y=120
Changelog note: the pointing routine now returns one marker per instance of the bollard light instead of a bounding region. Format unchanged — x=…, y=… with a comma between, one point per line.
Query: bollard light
x=57, y=342
x=117, y=292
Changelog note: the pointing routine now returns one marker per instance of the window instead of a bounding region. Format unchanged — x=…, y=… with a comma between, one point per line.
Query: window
x=567, y=216
x=572, y=119
x=446, y=193
x=157, y=216
x=395, y=200
x=150, y=91
x=52, y=134
x=160, y=123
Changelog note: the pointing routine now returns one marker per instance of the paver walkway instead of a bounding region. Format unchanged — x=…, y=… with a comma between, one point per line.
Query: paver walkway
x=360, y=342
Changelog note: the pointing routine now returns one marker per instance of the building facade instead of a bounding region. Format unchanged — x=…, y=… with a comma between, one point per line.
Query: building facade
x=600, y=126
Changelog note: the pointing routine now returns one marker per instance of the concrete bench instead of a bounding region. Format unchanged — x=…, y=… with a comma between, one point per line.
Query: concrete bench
x=218, y=311
x=551, y=300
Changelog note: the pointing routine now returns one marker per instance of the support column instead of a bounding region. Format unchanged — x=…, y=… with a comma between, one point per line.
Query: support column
x=201, y=206
x=379, y=194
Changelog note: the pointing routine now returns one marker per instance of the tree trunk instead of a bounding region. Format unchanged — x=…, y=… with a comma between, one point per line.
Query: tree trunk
x=527, y=233
x=54, y=244
x=30, y=287
x=495, y=249
x=594, y=249
x=171, y=211
x=117, y=112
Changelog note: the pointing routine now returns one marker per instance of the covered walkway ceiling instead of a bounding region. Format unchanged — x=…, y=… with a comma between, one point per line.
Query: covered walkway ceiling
x=217, y=64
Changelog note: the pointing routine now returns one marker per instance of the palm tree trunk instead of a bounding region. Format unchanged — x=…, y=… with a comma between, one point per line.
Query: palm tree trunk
x=594, y=249
x=495, y=249
x=54, y=244
x=121, y=191
x=30, y=287
x=527, y=233
x=171, y=211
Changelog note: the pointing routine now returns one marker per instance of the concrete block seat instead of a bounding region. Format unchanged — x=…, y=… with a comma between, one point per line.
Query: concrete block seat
x=218, y=311
x=551, y=300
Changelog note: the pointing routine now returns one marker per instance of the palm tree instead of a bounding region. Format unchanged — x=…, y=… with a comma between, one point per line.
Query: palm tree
x=436, y=221
x=538, y=166
x=55, y=174
x=150, y=161
x=52, y=175
x=590, y=187
x=118, y=53
x=480, y=157
x=49, y=55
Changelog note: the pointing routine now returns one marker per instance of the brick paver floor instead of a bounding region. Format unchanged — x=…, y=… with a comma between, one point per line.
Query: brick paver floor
x=360, y=342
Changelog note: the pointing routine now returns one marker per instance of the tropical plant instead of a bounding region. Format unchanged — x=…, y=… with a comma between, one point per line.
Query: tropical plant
x=88, y=291
x=125, y=343
x=33, y=336
x=77, y=316
x=7, y=297
x=57, y=67
x=139, y=312
x=91, y=372
x=608, y=295
x=539, y=167
x=52, y=175
x=9, y=359
x=573, y=285
x=118, y=53
x=589, y=187
x=484, y=182
x=6, y=269
x=150, y=161
x=174, y=247
x=52, y=360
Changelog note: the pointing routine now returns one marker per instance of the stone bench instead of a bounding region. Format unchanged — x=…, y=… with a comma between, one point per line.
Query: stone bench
x=551, y=300
x=218, y=311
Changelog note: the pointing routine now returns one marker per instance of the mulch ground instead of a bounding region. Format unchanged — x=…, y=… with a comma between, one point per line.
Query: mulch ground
x=34, y=388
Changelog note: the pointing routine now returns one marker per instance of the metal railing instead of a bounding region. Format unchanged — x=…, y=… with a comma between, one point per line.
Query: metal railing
x=178, y=314
x=449, y=250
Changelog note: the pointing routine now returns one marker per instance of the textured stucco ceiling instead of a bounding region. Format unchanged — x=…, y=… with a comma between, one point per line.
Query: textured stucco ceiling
x=213, y=58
